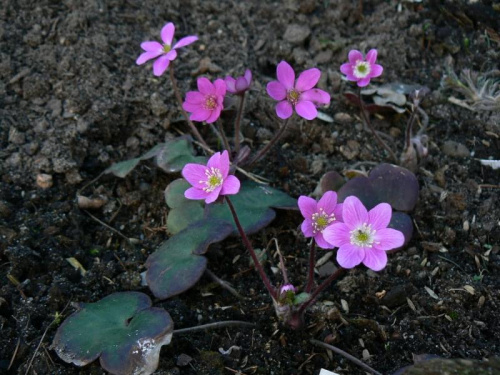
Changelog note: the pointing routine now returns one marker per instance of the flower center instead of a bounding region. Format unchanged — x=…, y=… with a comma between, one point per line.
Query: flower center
x=363, y=236
x=361, y=69
x=166, y=48
x=321, y=220
x=210, y=102
x=293, y=96
x=214, y=179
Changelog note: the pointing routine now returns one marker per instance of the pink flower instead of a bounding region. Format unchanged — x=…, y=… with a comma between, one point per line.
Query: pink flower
x=299, y=95
x=166, y=51
x=361, y=70
x=319, y=215
x=240, y=84
x=211, y=180
x=363, y=236
x=206, y=103
x=287, y=288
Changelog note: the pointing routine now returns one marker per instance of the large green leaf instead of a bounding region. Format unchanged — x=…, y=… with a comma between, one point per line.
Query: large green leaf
x=122, y=329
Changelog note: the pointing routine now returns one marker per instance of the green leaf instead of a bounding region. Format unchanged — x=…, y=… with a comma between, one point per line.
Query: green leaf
x=123, y=168
x=176, y=265
x=301, y=298
x=122, y=329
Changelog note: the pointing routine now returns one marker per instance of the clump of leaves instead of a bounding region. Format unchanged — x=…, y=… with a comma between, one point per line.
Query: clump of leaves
x=481, y=91
x=122, y=330
x=390, y=184
x=179, y=262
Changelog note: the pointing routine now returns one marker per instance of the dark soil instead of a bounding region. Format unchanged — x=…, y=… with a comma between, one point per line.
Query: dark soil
x=72, y=102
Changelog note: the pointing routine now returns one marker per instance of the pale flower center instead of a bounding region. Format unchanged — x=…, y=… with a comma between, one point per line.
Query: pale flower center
x=166, y=48
x=210, y=102
x=361, y=69
x=363, y=236
x=320, y=220
x=214, y=179
x=293, y=96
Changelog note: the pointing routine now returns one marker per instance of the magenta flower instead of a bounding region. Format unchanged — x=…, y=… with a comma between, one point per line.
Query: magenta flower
x=211, y=180
x=361, y=70
x=299, y=95
x=239, y=85
x=363, y=236
x=319, y=215
x=166, y=52
x=206, y=103
x=287, y=288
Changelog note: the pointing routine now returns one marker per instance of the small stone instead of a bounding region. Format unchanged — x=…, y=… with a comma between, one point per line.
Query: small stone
x=55, y=105
x=183, y=360
x=343, y=118
x=455, y=149
x=264, y=134
x=317, y=166
x=44, y=181
x=16, y=137
x=73, y=177
x=296, y=34
x=158, y=106
x=396, y=296
x=323, y=57
x=327, y=269
x=351, y=149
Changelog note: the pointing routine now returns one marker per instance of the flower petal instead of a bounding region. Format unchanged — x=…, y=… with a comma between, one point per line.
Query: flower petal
x=371, y=56
x=183, y=42
x=146, y=56
x=346, y=69
x=241, y=84
x=285, y=75
x=375, y=259
x=212, y=197
x=306, y=109
x=338, y=234
x=321, y=242
x=338, y=212
x=195, y=174
x=152, y=46
x=167, y=33
x=308, y=79
x=349, y=256
x=364, y=82
x=328, y=202
x=214, y=161
x=171, y=55
x=248, y=76
x=306, y=228
x=376, y=71
x=205, y=86
x=307, y=206
x=354, y=56
x=353, y=212
x=200, y=114
x=195, y=97
x=191, y=107
x=220, y=87
x=276, y=90
x=230, y=84
x=284, y=110
x=224, y=164
x=316, y=96
x=214, y=115
x=193, y=193
x=160, y=65
x=388, y=239
x=380, y=216
x=231, y=186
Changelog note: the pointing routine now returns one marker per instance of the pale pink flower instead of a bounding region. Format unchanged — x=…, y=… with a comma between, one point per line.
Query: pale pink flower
x=360, y=70
x=207, y=103
x=298, y=94
x=239, y=85
x=319, y=215
x=287, y=288
x=363, y=236
x=211, y=180
x=166, y=52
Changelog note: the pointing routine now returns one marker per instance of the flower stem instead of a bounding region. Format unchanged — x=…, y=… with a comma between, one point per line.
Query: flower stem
x=409, y=127
x=312, y=263
x=228, y=323
x=271, y=143
x=320, y=288
x=368, y=123
x=224, y=139
x=178, y=96
x=237, y=124
x=248, y=245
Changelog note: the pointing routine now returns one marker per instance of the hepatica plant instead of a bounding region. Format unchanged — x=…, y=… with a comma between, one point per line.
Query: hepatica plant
x=360, y=220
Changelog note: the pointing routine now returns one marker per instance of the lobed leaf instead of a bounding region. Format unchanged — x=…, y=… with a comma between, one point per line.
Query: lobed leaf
x=122, y=329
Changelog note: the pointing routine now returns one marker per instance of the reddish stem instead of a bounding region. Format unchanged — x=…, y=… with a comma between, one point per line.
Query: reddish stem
x=237, y=124
x=271, y=143
x=312, y=263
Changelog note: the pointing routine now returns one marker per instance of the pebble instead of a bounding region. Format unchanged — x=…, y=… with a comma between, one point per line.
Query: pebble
x=455, y=149
x=73, y=177
x=44, y=181
x=343, y=118
x=16, y=137
x=296, y=34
